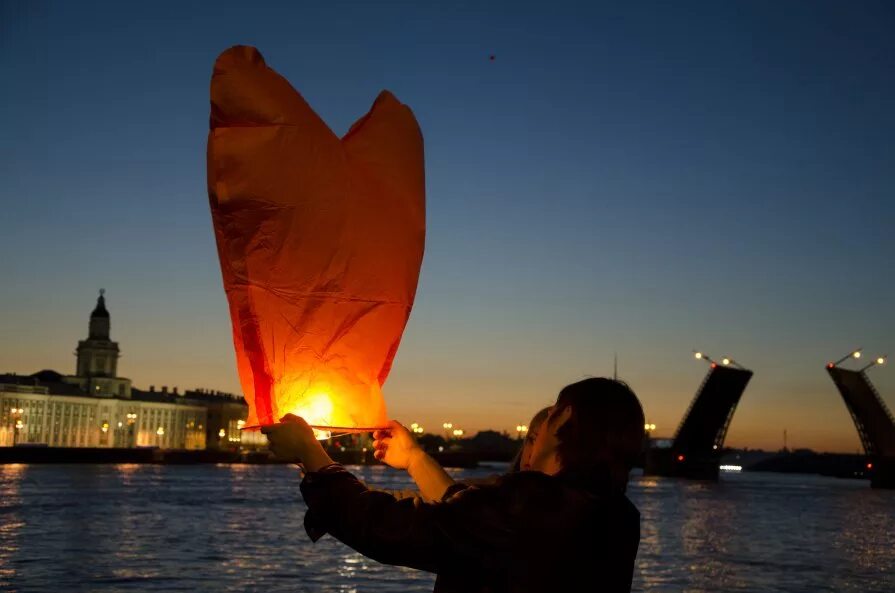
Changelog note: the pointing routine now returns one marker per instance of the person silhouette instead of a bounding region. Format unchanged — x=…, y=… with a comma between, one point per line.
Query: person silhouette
x=564, y=523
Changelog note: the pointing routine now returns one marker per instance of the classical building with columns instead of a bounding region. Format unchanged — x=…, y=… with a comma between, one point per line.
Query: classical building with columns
x=97, y=408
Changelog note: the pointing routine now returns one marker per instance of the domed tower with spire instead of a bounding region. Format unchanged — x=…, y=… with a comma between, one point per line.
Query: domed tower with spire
x=98, y=354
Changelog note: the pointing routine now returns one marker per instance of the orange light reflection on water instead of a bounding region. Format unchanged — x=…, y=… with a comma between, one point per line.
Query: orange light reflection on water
x=11, y=477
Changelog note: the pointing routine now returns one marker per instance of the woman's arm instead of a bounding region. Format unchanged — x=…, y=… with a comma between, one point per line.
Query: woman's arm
x=429, y=476
x=397, y=447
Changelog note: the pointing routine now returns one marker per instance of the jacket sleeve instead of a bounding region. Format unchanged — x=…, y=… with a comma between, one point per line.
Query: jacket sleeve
x=473, y=526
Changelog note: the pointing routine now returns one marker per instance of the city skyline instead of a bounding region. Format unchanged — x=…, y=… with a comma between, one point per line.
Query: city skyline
x=635, y=180
x=430, y=423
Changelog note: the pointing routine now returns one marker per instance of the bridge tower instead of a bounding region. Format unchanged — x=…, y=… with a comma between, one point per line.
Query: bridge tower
x=872, y=418
x=695, y=451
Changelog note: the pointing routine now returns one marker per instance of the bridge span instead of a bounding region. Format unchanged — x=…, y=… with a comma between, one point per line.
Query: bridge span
x=695, y=451
x=872, y=418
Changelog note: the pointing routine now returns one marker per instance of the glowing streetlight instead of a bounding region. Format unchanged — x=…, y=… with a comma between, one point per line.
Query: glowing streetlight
x=160, y=431
x=729, y=362
x=18, y=423
x=105, y=427
x=856, y=354
x=879, y=361
x=521, y=430
x=414, y=426
x=699, y=355
x=447, y=426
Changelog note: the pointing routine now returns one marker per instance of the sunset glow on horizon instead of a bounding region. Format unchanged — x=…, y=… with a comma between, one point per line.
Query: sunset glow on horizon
x=600, y=181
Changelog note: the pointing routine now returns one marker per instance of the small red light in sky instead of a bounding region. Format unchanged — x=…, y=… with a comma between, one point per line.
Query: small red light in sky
x=680, y=457
x=714, y=365
x=869, y=466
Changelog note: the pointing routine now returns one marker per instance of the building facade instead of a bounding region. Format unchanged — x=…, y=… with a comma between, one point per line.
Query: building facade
x=96, y=408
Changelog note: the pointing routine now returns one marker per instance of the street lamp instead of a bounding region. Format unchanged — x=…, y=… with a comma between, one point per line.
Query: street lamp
x=703, y=356
x=727, y=361
x=447, y=426
x=131, y=420
x=856, y=354
x=649, y=427
x=521, y=430
x=18, y=425
x=880, y=360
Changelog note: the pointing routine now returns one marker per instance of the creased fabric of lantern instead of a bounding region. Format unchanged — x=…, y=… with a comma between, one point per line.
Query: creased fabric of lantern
x=320, y=241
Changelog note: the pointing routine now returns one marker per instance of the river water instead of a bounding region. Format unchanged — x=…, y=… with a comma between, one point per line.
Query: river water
x=225, y=528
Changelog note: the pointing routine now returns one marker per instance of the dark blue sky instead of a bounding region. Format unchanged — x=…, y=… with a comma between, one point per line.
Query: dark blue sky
x=643, y=180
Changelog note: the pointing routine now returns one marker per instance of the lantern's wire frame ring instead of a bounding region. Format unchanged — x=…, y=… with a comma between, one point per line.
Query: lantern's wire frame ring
x=335, y=431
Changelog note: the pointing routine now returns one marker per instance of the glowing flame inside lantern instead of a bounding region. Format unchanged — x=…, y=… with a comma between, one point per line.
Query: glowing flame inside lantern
x=317, y=410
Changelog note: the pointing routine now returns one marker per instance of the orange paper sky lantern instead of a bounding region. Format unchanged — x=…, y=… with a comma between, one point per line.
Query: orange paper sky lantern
x=320, y=241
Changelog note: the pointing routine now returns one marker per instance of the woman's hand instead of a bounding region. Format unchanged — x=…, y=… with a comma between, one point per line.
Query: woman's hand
x=395, y=446
x=293, y=440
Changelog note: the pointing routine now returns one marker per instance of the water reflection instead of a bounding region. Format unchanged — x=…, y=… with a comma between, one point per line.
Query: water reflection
x=755, y=532
x=236, y=528
x=11, y=522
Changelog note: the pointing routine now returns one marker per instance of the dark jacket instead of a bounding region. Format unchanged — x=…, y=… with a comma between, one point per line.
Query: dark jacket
x=526, y=532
